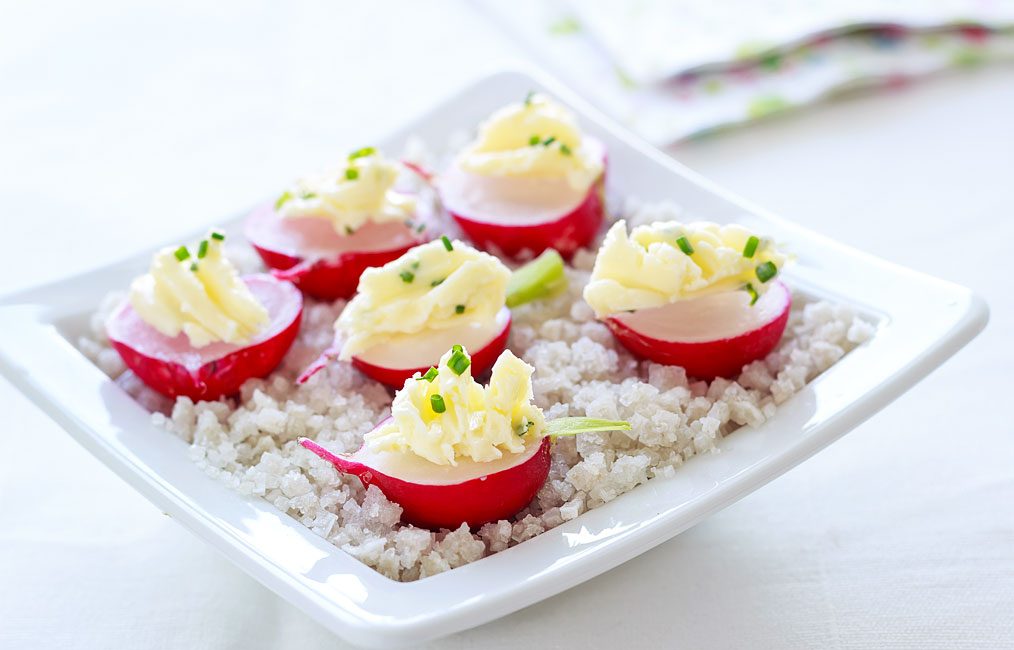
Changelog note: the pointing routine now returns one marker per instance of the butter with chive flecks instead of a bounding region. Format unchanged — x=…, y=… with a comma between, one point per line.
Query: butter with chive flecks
x=664, y=262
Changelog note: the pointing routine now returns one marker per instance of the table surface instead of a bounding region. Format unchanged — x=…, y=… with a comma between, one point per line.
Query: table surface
x=122, y=126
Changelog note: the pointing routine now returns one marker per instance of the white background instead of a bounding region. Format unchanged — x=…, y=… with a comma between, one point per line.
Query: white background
x=124, y=125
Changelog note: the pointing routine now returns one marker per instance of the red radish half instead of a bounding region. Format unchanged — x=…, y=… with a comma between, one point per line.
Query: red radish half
x=173, y=367
x=445, y=496
x=712, y=336
x=323, y=264
x=521, y=217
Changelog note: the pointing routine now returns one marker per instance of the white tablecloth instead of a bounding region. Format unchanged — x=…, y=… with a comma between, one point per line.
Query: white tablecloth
x=123, y=125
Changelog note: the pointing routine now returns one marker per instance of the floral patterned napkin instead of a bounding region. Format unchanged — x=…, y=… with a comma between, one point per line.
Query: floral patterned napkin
x=670, y=85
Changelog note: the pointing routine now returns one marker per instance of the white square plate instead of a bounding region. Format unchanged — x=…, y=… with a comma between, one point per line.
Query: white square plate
x=921, y=322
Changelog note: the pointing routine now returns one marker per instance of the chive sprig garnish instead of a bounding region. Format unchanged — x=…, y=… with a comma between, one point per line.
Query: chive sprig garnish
x=181, y=253
x=459, y=309
x=534, y=140
x=437, y=403
x=459, y=361
x=685, y=246
x=351, y=174
x=218, y=235
x=283, y=199
x=447, y=242
x=766, y=271
x=362, y=153
x=430, y=375
x=202, y=249
x=407, y=277
x=751, y=246
x=752, y=292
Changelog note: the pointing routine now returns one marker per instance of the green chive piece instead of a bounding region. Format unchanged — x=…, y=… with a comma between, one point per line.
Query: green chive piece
x=421, y=227
x=181, y=253
x=430, y=375
x=528, y=97
x=447, y=243
x=407, y=276
x=459, y=362
x=564, y=149
x=283, y=199
x=351, y=173
x=362, y=153
x=753, y=293
x=573, y=426
x=306, y=196
x=534, y=140
x=437, y=283
x=349, y=230
x=218, y=235
x=437, y=403
x=457, y=348
x=193, y=266
x=202, y=249
x=766, y=271
x=414, y=265
x=550, y=140
x=459, y=309
x=685, y=246
x=542, y=277
x=523, y=428
x=751, y=246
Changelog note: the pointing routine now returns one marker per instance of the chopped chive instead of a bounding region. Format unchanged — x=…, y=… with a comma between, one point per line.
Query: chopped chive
x=351, y=173
x=362, y=153
x=564, y=149
x=193, y=266
x=685, y=246
x=437, y=403
x=751, y=246
x=550, y=140
x=753, y=293
x=534, y=140
x=202, y=249
x=349, y=230
x=430, y=375
x=766, y=271
x=421, y=227
x=218, y=235
x=459, y=362
x=181, y=253
x=528, y=97
x=437, y=283
x=283, y=199
x=457, y=348
x=459, y=309
x=523, y=428
x=447, y=243
x=407, y=276
x=306, y=196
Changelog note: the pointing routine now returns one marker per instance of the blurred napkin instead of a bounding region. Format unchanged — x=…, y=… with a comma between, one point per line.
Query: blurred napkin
x=680, y=69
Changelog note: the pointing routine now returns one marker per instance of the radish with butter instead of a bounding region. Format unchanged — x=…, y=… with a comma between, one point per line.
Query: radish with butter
x=698, y=295
x=406, y=312
x=456, y=452
x=325, y=230
x=530, y=181
x=192, y=326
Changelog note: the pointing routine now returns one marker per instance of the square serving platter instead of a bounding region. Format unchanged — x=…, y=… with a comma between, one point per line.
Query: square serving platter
x=921, y=321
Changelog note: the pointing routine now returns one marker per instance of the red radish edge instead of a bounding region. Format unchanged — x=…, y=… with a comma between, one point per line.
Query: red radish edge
x=216, y=370
x=724, y=357
x=328, y=278
x=482, y=360
x=496, y=496
x=575, y=229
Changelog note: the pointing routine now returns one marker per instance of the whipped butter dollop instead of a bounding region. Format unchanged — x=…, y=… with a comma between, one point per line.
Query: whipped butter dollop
x=359, y=191
x=664, y=262
x=445, y=415
x=438, y=285
x=536, y=138
x=198, y=292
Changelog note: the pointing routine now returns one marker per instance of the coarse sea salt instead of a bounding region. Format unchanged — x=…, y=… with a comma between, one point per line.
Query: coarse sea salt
x=249, y=442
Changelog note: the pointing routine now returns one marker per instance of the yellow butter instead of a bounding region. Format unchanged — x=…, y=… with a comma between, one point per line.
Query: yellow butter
x=422, y=290
x=479, y=423
x=649, y=269
x=504, y=145
x=200, y=295
x=360, y=191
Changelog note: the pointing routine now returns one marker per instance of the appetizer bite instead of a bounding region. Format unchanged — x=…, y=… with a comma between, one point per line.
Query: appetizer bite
x=530, y=181
x=408, y=310
x=699, y=295
x=325, y=230
x=453, y=452
x=192, y=326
